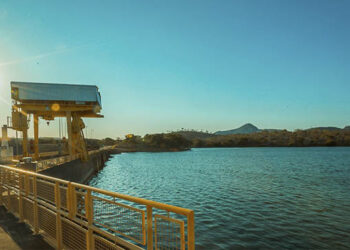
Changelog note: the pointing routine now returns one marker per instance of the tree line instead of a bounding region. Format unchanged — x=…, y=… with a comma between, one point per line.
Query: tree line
x=183, y=140
x=278, y=138
x=283, y=138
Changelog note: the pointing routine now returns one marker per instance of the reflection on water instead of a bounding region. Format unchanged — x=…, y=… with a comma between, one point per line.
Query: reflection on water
x=246, y=197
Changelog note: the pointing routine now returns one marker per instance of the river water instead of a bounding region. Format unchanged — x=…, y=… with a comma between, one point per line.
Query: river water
x=246, y=198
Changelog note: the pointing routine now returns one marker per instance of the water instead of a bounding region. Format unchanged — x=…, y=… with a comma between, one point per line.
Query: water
x=246, y=198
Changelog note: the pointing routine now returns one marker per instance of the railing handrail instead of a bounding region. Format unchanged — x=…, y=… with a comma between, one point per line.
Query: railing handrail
x=34, y=174
x=142, y=201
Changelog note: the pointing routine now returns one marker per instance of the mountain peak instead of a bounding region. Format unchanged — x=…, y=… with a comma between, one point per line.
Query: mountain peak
x=250, y=126
x=247, y=128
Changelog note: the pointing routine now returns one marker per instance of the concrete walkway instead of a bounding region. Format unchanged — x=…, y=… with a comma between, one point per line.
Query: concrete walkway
x=6, y=242
x=15, y=235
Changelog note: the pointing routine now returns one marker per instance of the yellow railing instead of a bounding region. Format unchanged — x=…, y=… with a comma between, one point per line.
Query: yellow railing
x=76, y=216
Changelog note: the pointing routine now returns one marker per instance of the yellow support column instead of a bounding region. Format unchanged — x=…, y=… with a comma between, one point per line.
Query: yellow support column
x=36, y=221
x=58, y=216
x=71, y=200
x=149, y=228
x=69, y=130
x=20, y=200
x=89, y=216
x=36, y=137
x=190, y=231
x=26, y=184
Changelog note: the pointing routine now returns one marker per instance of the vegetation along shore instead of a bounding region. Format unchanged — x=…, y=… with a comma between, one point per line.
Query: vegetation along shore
x=246, y=136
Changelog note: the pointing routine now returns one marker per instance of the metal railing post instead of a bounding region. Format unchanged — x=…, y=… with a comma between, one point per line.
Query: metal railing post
x=149, y=228
x=89, y=217
x=190, y=231
x=8, y=182
x=69, y=200
x=58, y=215
x=36, y=222
x=74, y=201
x=20, y=205
x=26, y=184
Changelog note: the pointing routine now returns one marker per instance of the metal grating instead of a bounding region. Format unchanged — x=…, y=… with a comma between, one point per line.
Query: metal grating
x=45, y=191
x=22, y=181
x=103, y=244
x=47, y=221
x=14, y=202
x=13, y=179
x=119, y=218
x=80, y=199
x=28, y=212
x=73, y=236
x=8, y=178
x=31, y=183
x=63, y=196
x=5, y=197
x=169, y=233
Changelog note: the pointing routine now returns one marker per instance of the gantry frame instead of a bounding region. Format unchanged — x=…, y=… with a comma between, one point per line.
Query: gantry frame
x=73, y=115
x=48, y=110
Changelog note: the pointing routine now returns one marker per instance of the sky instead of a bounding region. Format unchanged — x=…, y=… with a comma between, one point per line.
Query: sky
x=167, y=65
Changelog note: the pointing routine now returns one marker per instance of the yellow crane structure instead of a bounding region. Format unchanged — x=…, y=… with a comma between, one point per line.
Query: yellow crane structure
x=48, y=101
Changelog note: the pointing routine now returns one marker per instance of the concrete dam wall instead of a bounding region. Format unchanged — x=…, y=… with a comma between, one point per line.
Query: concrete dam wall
x=80, y=172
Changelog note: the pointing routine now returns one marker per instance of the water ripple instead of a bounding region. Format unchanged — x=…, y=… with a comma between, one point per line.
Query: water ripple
x=246, y=198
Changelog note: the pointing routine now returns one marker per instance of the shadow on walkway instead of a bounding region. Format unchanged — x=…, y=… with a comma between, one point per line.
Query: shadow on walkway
x=21, y=233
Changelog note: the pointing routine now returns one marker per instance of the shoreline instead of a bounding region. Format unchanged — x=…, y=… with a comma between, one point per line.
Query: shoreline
x=149, y=150
x=159, y=150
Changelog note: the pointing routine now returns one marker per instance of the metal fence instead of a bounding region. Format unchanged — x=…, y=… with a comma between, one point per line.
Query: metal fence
x=75, y=216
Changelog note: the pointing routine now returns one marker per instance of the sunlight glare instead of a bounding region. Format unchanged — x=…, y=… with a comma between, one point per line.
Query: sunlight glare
x=3, y=90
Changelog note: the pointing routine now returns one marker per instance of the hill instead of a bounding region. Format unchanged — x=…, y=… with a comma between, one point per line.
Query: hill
x=250, y=128
x=245, y=129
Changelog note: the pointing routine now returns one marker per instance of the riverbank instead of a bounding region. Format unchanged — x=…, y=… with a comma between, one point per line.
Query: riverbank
x=134, y=149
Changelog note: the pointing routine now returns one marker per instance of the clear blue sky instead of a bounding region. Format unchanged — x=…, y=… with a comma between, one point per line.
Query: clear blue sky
x=166, y=65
